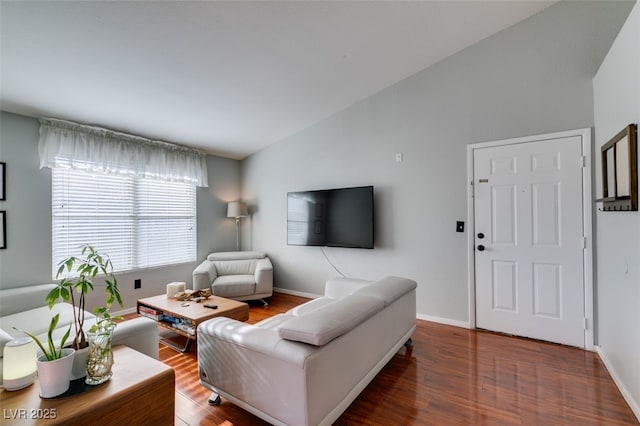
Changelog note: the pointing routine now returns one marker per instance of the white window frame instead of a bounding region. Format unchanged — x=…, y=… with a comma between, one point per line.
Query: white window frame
x=172, y=217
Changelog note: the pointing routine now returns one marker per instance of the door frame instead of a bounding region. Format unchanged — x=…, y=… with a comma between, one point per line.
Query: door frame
x=587, y=222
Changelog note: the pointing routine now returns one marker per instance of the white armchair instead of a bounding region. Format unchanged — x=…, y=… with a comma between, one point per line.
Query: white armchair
x=239, y=275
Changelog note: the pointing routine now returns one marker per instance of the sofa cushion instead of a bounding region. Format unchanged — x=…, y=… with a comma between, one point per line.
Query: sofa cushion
x=36, y=321
x=236, y=267
x=388, y=289
x=324, y=324
x=236, y=255
x=234, y=285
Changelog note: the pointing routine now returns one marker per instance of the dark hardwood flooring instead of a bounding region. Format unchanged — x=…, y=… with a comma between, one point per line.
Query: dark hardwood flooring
x=451, y=376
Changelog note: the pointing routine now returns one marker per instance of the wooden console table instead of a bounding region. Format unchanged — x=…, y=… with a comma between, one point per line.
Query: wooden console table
x=140, y=392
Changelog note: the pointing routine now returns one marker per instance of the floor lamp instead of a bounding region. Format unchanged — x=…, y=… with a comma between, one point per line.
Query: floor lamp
x=237, y=210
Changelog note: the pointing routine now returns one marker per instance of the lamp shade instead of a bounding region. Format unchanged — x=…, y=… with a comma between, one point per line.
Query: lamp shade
x=19, y=364
x=237, y=209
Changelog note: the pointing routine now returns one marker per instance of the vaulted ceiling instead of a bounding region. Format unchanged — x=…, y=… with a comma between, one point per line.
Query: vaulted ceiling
x=229, y=77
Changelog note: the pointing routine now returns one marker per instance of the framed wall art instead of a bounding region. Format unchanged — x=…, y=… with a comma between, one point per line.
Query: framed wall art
x=3, y=229
x=620, y=171
x=3, y=179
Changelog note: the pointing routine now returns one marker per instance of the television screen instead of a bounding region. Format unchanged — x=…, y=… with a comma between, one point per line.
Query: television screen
x=331, y=217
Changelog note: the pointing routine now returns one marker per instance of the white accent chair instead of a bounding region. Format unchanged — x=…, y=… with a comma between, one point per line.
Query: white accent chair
x=238, y=275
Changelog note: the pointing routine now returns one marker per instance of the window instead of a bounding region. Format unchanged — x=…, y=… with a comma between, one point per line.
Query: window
x=139, y=222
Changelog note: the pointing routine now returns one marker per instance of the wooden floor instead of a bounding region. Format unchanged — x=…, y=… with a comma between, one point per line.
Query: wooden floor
x=452, y=376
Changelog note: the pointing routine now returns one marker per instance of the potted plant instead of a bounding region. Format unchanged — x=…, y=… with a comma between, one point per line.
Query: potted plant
x=78, y=280
x=54, y=365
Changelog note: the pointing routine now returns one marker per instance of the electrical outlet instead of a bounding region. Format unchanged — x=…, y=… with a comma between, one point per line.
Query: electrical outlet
x=137, y=283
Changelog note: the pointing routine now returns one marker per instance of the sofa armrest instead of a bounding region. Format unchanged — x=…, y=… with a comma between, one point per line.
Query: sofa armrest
x=140, y=334
x=204, y=275
x=219, y=333
x=254, y=368
x=264, y=276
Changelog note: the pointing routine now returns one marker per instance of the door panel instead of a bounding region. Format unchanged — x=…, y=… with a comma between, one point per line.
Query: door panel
x=529, y=277
x=504, y=288
x=546, y=214
x=503, y=214
x=547, y=290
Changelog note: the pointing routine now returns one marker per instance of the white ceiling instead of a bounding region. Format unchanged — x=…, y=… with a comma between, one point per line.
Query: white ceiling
x=228, y=77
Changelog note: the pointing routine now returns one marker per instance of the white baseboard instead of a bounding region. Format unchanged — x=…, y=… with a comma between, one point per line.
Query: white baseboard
x=440, y=320
x=446, y=321
x=125, y=312
x=296, y=293
x=634, y=405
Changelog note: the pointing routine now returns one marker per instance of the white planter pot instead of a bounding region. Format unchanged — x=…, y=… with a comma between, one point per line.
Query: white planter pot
x=53, y=376
x=79, y=369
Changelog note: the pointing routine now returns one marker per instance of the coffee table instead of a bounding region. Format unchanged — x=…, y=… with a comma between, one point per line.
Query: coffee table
x=141, y=391
x=183, y=318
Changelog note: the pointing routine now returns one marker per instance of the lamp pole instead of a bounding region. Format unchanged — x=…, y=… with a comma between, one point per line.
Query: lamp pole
x=237, y=233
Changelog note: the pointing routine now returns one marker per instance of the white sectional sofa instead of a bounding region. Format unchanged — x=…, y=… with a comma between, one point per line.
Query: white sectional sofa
x=306, y=366
x=25, y=308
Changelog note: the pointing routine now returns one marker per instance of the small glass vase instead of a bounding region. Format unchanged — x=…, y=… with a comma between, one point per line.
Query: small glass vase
x=100, y=357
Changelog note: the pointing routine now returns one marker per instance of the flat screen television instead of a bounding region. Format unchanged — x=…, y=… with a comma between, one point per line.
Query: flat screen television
x=340, y=217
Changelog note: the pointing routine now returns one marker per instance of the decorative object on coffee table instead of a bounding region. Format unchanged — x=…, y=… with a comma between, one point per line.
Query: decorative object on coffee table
x=87, y=268
x=197, y=295
x=175, y=288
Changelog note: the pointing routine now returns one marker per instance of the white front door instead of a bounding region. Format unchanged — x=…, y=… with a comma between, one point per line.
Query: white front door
x=529, y=239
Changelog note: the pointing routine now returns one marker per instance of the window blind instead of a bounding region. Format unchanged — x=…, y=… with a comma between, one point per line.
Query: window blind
x=139, y=223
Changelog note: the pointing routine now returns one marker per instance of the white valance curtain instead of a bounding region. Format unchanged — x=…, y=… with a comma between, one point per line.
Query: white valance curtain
x=77, y=146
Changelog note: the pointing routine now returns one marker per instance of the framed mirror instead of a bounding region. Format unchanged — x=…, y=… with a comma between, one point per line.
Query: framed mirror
x=620, y=172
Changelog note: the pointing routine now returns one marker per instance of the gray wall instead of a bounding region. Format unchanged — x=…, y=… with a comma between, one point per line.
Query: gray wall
x=535, y=77
x=617, y=104
x=27, y=260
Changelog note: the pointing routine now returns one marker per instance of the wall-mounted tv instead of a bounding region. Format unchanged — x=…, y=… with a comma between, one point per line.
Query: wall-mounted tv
x=331, y=217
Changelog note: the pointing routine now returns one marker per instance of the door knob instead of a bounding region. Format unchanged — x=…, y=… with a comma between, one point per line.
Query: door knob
x=480, y=247
x=481, y=235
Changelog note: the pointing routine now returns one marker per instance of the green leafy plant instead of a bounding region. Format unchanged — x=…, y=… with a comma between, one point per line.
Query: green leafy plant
x=104, y=320
x=52, y=353
x=87, y=268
